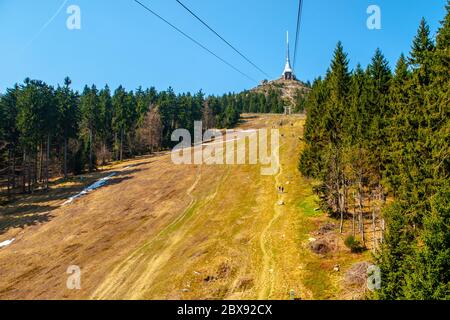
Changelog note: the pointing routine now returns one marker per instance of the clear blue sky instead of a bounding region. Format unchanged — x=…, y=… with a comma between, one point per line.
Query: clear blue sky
x=120, y=43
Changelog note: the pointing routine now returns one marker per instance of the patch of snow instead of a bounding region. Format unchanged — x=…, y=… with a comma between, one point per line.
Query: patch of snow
x=6, y=243
x=100, y=183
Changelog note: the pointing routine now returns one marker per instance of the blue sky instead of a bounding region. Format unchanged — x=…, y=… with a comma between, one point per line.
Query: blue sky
x=120, y=43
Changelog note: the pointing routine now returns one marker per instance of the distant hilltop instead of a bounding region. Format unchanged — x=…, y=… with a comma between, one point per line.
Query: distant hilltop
x=292, y=91
x=289, y=89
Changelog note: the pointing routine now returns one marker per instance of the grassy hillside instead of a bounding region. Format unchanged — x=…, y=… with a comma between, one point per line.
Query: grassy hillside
x=161, y=231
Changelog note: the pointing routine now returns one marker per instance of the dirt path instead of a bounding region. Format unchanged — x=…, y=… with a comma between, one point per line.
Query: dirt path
x=267, y=267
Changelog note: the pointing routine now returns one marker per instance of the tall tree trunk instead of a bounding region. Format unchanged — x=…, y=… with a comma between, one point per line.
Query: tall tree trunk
x=370, y=209
x=65, y=157
x=116, y=156
x=341, y=212
x=47, y=161
x=34, y=171
x=343, y=200
x=354, y=216
x=40, y=167
x=383, y=224
x=9, y=179
x=14, y=167
x=374, y=230
x=90, y=151
x=363, y=232
x=23, y=171
x=361, y=211
x=29, y=173
x=121, y=145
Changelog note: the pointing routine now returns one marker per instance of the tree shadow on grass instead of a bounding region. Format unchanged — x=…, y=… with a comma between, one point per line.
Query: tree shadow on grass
x=136, y=165
x=114, y=181
x=23, y=216
x=128, y=172
x=35, y=208
x=62, y=190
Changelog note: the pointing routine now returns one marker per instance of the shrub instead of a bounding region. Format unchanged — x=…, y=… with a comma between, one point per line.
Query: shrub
x=353, y=244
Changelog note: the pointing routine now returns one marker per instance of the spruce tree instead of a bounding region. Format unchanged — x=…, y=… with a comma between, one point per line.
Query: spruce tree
x=89, y=106
x=428, y=277
x=315, y=133
x=379, y=112
x=399, y=132
x=68, y=117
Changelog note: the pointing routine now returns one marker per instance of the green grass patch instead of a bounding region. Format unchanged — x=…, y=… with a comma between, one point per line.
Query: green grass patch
x=308, y=206
x=318, y=281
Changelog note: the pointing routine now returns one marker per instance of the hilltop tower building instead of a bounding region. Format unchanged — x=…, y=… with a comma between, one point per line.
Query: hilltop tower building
x=288, y=73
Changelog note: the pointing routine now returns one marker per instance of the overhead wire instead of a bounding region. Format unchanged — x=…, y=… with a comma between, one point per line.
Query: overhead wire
x=193, y=40
x=297, y=35
x=222, y=38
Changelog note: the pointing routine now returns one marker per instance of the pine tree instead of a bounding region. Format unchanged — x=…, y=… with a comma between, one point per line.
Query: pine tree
x=124, y=117
x=397, y=249
x=429, y=273
x=9, y=133
x=420, y=130
x=315, y=136
x=104, y=130
x=89, y=106
x=399, y=132
x=379, y=77
x=338, y=81
x=167, y=103
x=36, y=119
x=421, y=52
x=430, y=264
x=416, y=168
x=68, y=117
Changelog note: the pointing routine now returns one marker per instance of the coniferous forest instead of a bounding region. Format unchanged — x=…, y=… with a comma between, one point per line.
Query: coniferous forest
x=378, y=140
x=47, y=132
